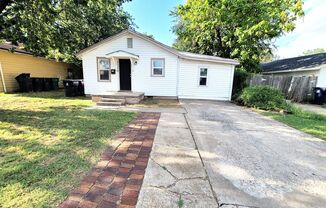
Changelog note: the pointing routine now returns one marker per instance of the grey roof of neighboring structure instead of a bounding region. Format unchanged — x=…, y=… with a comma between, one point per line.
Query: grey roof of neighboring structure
x=13, y=48
x=296, y=63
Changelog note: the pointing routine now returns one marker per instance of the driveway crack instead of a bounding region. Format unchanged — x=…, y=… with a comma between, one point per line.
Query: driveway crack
x=236, y=205
x=164, y=168
x=201, y=159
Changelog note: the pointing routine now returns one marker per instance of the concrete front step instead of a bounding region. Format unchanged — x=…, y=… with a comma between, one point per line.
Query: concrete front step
x=128, y=97
x=109, y=103
x=113, y=100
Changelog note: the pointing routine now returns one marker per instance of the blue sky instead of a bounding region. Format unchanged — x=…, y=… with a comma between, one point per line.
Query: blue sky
x=152, y=17
x=310, y=31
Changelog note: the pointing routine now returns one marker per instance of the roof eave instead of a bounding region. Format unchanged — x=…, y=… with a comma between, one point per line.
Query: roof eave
x=20, y=52
x=226, y=61
x=95, y=45
x=294, y=70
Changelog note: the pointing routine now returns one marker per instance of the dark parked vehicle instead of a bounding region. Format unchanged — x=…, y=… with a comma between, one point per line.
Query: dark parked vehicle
x=74, y=87
x=319, y=95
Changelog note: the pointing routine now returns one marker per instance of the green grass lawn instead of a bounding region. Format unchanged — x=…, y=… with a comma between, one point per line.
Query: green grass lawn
x=308, y=122
x=47, y=143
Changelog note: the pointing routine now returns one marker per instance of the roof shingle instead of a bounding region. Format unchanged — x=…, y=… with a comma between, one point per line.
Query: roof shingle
x=13, y=48
x=297, y=63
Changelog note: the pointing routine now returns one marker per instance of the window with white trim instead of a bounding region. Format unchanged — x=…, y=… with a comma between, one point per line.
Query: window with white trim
x=203, y=76
x=103, y=69
x=129, y=43
x=157, y=67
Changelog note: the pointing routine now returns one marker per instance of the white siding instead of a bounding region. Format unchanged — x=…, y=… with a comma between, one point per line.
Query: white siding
x=219, y=80
x=322, y=78
x=141, y=79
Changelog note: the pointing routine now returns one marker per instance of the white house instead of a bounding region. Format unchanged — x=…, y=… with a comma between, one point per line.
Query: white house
x=131, y=61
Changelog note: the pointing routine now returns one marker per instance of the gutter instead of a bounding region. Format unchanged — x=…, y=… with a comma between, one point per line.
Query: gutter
x=14, y=51
x=178, y=74
x=235, y=63
x=3, y=79
x=292, y=70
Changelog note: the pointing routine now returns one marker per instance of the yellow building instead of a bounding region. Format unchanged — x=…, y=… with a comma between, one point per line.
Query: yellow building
x=14, y=63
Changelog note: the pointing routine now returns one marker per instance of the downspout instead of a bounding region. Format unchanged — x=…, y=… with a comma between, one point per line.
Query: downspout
x=3, y=79
x=178, y=69
x=232, y=79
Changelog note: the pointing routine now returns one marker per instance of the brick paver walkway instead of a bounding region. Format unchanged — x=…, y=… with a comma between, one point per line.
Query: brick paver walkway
x=117, y=178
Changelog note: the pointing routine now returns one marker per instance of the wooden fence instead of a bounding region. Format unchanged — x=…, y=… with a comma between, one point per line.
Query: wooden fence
x=297, y=89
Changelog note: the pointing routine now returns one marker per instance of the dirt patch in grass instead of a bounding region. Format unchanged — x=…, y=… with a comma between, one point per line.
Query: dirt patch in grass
x=47, y=143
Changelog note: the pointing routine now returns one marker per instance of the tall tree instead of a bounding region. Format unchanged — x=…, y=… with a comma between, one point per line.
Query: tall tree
x=313, y=51
x=60, y=28
x=4, y=4
x=242, y=29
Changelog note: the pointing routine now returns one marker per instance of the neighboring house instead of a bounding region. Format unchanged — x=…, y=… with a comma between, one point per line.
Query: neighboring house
x=14, y=61
x=311, y=65
x=135, y=62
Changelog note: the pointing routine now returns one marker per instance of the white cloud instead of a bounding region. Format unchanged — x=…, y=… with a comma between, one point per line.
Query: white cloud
x=310, y=31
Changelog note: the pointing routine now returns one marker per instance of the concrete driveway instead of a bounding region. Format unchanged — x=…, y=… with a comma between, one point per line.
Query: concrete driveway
x=253, y=161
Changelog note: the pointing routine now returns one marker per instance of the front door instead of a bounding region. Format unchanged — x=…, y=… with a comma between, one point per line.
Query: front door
x=125, y=74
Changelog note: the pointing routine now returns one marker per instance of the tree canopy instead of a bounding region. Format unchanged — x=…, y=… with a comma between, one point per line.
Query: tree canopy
x=60, y=28
x=242, y=29
x=313, y=51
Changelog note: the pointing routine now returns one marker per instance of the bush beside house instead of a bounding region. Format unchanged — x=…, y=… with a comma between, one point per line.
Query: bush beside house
x=263, y=97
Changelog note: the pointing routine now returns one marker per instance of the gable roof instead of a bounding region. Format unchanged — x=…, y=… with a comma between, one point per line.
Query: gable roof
x=300, y=63
x=181, y=54
x=13, y=48
x=17, y=50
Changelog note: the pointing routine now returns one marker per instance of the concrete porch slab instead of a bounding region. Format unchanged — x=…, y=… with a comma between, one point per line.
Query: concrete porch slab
x=119, y=93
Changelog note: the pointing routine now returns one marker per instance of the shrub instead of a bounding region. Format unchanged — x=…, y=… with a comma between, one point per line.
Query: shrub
x=263, y=97
x=240, y=81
